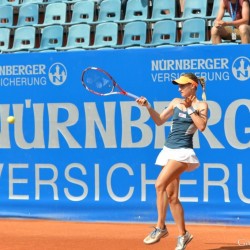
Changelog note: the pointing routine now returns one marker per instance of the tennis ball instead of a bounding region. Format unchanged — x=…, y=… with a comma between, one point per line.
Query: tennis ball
x=11, y=119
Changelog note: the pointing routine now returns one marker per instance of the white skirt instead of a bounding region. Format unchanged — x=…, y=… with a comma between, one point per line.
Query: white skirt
x=186, y=155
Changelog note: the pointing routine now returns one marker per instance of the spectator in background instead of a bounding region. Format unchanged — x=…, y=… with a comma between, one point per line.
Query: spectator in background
x=235, y=29
x=181, y=7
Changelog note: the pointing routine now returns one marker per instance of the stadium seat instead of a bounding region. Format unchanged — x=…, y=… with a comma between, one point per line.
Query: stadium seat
x=78, y=37
x=135, y=35
x=136, y=10
x=106, y=35
x=193, y=31
x=4, y=38
x=8, y=2
x=215, y=9
x=24, y=39
x=55, y=13
x=52, y=37
x=28, y=15
x=193, y=8
x=70, y=1
x=163, y=10
x=109, y=10
x=32, y=1
x=52, y=1
x=6, y=16
x=164, y=33
x=82, y=12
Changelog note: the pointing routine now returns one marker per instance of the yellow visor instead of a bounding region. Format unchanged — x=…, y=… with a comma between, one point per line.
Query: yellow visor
x=184, y=80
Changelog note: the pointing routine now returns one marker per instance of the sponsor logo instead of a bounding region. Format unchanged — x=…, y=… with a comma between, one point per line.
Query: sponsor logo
x=212, y=69
x=182, y=115
x=241, y=68
x=32, y=75
x=57, y=74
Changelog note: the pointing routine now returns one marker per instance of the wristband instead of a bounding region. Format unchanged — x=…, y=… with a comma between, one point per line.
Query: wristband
x=191, y=110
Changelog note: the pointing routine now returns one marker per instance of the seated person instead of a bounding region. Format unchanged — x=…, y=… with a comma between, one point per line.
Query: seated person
x=236, y=29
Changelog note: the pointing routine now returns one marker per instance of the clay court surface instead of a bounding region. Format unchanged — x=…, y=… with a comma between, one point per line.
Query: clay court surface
x=46, y=235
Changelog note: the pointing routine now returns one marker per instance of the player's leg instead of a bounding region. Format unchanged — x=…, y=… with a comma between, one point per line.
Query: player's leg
x=163, y=210
x=169, y=173
x=169, y=178
x=160, y=230
x=175, y=205
x=161, y=202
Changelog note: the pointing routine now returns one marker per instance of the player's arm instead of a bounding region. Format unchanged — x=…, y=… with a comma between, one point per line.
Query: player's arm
x=199, y=117
x=220, y=14
x=158, y=118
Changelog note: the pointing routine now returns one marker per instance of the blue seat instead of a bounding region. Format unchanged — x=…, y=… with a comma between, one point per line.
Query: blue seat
x=136, y=10
x=193, y=31
x=28, y=14
x=32, y=1
x=8, y=2
x=55, y=13
x=163, y=10
x=164, y=33
x=78, y=37
x=6, y=16
x=52, y=1
x=52, y=38
x=24, y=39
x=109, y=10
x=83, y=12
x=193, y=8
x=70, y=1
x=106, y=35
x=135, y=35
x=215, y=9
x=4, y=38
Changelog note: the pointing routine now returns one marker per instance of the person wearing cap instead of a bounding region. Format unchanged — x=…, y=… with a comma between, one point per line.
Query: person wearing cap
x=238, y=28
x=177, y=156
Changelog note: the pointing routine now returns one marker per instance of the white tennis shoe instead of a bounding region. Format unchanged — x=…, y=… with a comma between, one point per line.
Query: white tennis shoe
x=183, y=241
x=156, y=235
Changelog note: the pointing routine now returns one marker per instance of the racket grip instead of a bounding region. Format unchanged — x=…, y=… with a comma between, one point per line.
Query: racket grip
x=132, y=95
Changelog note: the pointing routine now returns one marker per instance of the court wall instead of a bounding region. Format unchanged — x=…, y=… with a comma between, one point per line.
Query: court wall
x=72, y=155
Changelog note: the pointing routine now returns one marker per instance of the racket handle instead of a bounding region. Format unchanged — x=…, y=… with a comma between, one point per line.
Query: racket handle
x=132, y=95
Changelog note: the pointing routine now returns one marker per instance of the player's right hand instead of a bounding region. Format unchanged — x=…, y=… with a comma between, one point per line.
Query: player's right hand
x=142, y=101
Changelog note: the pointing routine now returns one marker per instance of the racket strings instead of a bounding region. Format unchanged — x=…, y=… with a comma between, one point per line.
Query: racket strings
x=98, y=82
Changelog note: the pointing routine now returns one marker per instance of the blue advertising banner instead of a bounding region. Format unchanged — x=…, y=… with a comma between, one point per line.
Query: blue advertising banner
x=72, y=155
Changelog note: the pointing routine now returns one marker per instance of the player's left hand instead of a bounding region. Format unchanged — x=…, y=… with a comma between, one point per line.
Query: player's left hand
x=188, y=101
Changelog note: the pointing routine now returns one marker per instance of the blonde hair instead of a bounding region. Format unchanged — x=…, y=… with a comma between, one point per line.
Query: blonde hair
x=200, y=80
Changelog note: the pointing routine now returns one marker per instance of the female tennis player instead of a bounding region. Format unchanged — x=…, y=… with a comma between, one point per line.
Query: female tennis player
x=188, y=114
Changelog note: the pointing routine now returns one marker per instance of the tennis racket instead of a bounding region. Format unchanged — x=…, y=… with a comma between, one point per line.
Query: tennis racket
x=99, y=82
